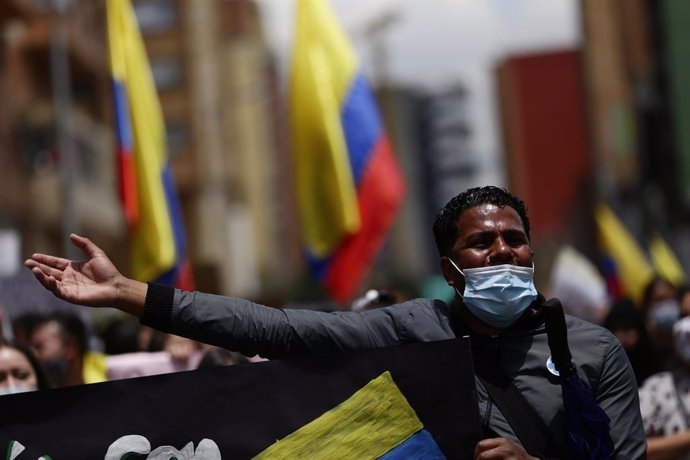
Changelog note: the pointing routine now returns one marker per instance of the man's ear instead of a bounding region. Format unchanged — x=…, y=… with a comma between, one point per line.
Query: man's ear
x=449, y=272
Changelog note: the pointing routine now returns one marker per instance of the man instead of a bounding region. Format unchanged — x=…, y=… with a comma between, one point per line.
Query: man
x=59, y=342
x=483, y=239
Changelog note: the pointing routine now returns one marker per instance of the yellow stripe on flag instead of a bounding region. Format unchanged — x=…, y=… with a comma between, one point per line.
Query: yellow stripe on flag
x=634, y=270
x=323, y=68
x=371, y=422
x=665, y=262
x=153, y=243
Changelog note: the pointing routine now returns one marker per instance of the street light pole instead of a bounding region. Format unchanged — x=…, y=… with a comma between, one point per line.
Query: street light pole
x=62, y=96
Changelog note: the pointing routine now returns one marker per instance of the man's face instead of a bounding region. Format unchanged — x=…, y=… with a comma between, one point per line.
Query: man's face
x=47, y=343
x=489, y=235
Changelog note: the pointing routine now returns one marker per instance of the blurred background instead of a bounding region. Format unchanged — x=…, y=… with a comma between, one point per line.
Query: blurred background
x=567, y=103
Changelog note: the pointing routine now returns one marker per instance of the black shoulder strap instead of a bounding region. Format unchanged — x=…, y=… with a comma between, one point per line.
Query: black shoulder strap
x=529, y=428
x=521, y=416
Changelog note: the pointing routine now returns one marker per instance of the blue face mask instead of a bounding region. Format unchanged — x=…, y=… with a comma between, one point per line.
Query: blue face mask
x=10, y=390
x=663, y=314
x=498, y=295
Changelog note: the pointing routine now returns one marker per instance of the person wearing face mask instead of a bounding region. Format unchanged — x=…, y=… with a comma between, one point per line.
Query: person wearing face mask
x=665, y=396
x=661, y=311
x=482, y=236
x=59, y=342
x=19, y=370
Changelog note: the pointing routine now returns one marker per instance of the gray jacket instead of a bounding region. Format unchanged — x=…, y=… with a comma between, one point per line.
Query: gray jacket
x=521, y=352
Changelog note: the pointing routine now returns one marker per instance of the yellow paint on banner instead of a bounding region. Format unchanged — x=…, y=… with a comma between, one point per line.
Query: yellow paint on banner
x=367, y=425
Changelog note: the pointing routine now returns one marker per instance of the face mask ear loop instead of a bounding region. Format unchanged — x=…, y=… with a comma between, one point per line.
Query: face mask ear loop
x=456, y=267
x=462, y=298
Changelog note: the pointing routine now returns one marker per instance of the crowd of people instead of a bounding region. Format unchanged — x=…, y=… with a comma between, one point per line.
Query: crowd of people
x=481, y=230
x=656, y=338
x=54, y=350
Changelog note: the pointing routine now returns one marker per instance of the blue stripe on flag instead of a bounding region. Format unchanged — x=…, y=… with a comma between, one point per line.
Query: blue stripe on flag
x=318, y=266
x=169, y=277
x=123, y=126
x=361, y=125
x=419, y=446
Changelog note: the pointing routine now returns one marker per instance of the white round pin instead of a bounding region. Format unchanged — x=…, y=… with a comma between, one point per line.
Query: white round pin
x=552, y=367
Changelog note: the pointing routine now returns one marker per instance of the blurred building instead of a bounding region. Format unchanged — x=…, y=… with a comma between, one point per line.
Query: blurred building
x=431, y=133
x=33, y=138
x=219, y=92
x=606, y=122
x=545, y=136
x=637, y=65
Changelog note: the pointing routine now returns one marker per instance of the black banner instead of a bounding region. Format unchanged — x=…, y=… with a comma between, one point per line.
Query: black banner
x=241, y=410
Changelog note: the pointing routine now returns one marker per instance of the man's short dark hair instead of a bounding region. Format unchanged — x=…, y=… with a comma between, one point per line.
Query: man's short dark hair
x=71, y=327
x=445, y=226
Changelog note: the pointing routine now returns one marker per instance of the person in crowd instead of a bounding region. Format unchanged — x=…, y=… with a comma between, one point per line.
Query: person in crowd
x=626, y=322
x=121, y=335
x=483, y=238
x=19, y=370
x=24, y=324
x=665, y=396
x=60, y=344
x=660, y=307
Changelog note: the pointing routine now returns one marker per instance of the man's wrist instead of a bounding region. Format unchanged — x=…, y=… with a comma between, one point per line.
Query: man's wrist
x=131, y=296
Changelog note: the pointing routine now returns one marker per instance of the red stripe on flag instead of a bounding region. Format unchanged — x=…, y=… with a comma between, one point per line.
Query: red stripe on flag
x=128, y=186
x=185, y=277
x=379, y=195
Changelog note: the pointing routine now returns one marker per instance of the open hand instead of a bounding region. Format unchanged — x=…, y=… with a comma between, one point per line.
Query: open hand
x=94, y=282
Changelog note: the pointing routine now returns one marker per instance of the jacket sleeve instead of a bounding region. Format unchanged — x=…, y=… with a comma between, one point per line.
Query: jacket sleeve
x=249, y=328
x=617, y=395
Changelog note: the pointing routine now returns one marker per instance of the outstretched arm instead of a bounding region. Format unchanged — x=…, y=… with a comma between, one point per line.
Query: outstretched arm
x=94, y=282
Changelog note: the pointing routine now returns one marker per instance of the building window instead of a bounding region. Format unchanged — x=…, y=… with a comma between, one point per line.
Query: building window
x=177, y=137
x=156, y=16
x=167, y=73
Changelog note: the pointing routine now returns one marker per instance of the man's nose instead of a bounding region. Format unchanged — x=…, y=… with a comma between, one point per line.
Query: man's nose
x=501, y=253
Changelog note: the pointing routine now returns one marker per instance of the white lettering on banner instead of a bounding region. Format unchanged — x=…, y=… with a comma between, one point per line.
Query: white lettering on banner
x=135, y=444
x=14, y=449
x=127, y=445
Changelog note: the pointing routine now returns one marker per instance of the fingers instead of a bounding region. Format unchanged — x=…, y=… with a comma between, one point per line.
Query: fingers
x=498, y=448
x=47, y=281
x=485, y=445
x=47, y=270
x=45, y=260
x=85, y=245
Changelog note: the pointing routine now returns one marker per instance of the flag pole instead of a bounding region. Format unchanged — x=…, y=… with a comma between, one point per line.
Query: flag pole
x=62, y=97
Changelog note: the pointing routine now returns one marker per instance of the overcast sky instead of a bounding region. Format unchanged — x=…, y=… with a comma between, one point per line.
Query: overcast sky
x=433, y=43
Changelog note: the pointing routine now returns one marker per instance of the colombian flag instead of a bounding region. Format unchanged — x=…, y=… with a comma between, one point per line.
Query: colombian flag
x=146, y=184
x=626, y=267
x=665, y=261
x=349, y=185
